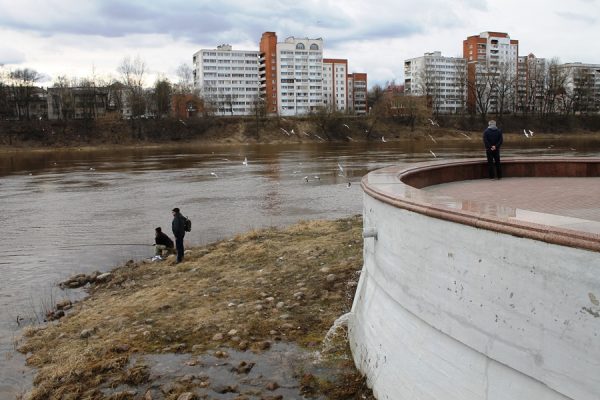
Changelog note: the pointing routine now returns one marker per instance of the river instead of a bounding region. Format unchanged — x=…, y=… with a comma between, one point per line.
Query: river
x=66, y=212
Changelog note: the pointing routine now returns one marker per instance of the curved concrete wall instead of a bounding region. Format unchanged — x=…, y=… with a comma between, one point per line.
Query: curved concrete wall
x=455, y=311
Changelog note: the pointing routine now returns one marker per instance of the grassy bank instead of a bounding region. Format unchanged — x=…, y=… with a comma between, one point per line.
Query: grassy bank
x=242, y=294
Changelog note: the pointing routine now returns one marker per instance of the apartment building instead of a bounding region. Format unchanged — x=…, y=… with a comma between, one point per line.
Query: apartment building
x=531, y=72
x=335, y=84
x=582, y=86
x=268, y=71
x=492, y=57
x=228, y=79
x=442, y=80
x=357, y=93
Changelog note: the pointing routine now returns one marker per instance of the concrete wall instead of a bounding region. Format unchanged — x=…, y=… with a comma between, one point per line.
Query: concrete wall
x=450, y=311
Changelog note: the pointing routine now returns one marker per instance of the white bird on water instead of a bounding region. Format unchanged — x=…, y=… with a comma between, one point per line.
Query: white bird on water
x=525, y=133
x=214, y=174
x=317, y=177
x=292, y=132
x=245, y=162
x=383, y=140
x=530, y=132
x=433, y=154
x=305, y=179
x=348, y=185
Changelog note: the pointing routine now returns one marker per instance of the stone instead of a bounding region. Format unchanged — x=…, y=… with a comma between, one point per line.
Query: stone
x=121, y=348
x=330, y=277
x=243, y=367
x=281, y=304
x=298, y=295
x=232, y=332
x=217, y=337
x=225, y=389
x=187, y=396
x=272, y=386
x=64, y=304
x=325, y=270
x=284, y=316
x=270, y=299
x=264, y=345
x=105, y=277
x=86, y=333
x=243, y=345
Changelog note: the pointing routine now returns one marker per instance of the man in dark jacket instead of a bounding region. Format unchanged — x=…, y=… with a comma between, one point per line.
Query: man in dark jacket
x=178, y=226
x=162, y=243
x=492, y=139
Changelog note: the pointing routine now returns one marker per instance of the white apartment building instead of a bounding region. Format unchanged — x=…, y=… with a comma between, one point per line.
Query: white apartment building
x=227, y=79
x=441, y=79
x=335, y=84
x=582, y=86
x=299, y=76
x=357, y=93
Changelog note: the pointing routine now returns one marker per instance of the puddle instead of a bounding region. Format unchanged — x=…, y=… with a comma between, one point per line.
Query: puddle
x=275, y=373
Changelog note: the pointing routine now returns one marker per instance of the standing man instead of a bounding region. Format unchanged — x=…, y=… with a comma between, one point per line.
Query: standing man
x=492, y=139
x=178, y=226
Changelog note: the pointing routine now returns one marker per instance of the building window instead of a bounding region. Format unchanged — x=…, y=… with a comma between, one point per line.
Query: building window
x=300, y=46
x=314, y=46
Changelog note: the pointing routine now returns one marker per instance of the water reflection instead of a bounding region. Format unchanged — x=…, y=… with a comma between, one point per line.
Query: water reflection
x=81, y=211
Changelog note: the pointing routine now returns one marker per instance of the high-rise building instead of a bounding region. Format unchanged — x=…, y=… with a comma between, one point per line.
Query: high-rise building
x=268, y=71
x=299, y=75
x=492, y=59
x=531, y=72
x=582, y=86
x=335, y=84
x=357, y=93
x=228, y=79
x=442, y=80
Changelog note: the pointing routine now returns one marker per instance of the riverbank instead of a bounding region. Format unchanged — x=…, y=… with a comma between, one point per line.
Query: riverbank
x=168, y=132
x=238, y=303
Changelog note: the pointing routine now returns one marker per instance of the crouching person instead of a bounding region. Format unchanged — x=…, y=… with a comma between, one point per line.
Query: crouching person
x=163, y=245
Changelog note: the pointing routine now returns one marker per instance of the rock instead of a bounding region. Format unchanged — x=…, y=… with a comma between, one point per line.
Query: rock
x=150, y=395
x=104, y=277
x=187, y=396
x=281, y=304
x=64, y=304
x=270, y=299
x=299, y=295
x=243, y=345
x=54, y=315
x=236, y=339
x=287, y=326
x=232, y=332
x=149, y=321
x=197, y=348
x=187, y=378
x=352, y=284
x=225, y=389
x=264, y=345
x=221, y=354
x=86, y=333
x=284, y=316
x=272, y=386
x=217, y=337
x=243, y=367
x=272, y=332
x=258, y=307
x=121, y=348
x=325, y=270
x=278, y=397
x=330, y=277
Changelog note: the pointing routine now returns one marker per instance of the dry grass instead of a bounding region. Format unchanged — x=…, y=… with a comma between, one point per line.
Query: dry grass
x=237, y=284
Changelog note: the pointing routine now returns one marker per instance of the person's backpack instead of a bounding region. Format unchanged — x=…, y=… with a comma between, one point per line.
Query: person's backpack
x=187, y=224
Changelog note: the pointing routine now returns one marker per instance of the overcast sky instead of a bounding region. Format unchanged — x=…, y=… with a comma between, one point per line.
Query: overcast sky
x=79, y=38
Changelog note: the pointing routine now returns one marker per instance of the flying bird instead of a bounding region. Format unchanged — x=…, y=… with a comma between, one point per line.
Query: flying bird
x=433, y=154
x=286, y=132
x=214, y=174
x=530, y=132
x=292, y=132
x=525, y=133
x=346, y=126
x=319, y=137
x=341, y=169
x=468, y=137
x=245, y=162
x=431, y=137
x=305, y=133
x=434, y=123
x=383, y=140
x=350, y=139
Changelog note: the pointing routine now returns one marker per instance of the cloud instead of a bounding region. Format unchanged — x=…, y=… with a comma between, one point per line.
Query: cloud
x=588, y=19
x=9, y=55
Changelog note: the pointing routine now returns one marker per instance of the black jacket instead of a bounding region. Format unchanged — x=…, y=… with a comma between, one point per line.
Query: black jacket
x=161, y=238
x=178, y=225
x=492, y=137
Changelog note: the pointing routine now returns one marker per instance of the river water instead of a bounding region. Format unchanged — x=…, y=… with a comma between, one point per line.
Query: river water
x=67, y=212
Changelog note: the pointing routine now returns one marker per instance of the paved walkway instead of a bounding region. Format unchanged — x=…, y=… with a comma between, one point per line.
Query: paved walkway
x=570, y=197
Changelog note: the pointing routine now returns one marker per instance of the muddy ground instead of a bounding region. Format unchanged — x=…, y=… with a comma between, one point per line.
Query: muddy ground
x=243, y=318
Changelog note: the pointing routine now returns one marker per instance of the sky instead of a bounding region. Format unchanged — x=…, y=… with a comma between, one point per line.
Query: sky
x=91, y=38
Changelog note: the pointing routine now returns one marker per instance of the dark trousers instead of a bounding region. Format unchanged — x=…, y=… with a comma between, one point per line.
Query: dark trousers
x=493, y=160
x=179, y=247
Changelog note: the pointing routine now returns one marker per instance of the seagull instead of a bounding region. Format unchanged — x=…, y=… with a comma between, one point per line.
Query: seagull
x=434, y=123
x=341, y=169
x=317, y=177
x=305, y=133
x=214, y=174
x=319, y=137
x=295, y=172
x=525, y=133
x=572, y=148
x=292, y=132
x=348, y=185
x=92, y=169
x=184, y=124
x=531, y=132
x=286, y=132
x=433, y=154
x=468, y=137
x=245, y=162
x=346, y=126
x=350, y=139
x=551, y=146
x=431, y=137
x=224, y=159
x=305, y=179
x=383, y=139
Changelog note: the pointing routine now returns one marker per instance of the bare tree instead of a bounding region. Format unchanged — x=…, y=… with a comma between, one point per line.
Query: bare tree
x=185, y=84
x=162, y=96
x=23, y=89
x=132, y=76
x=555, y=81
x=482, y=89
x=506, y=83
